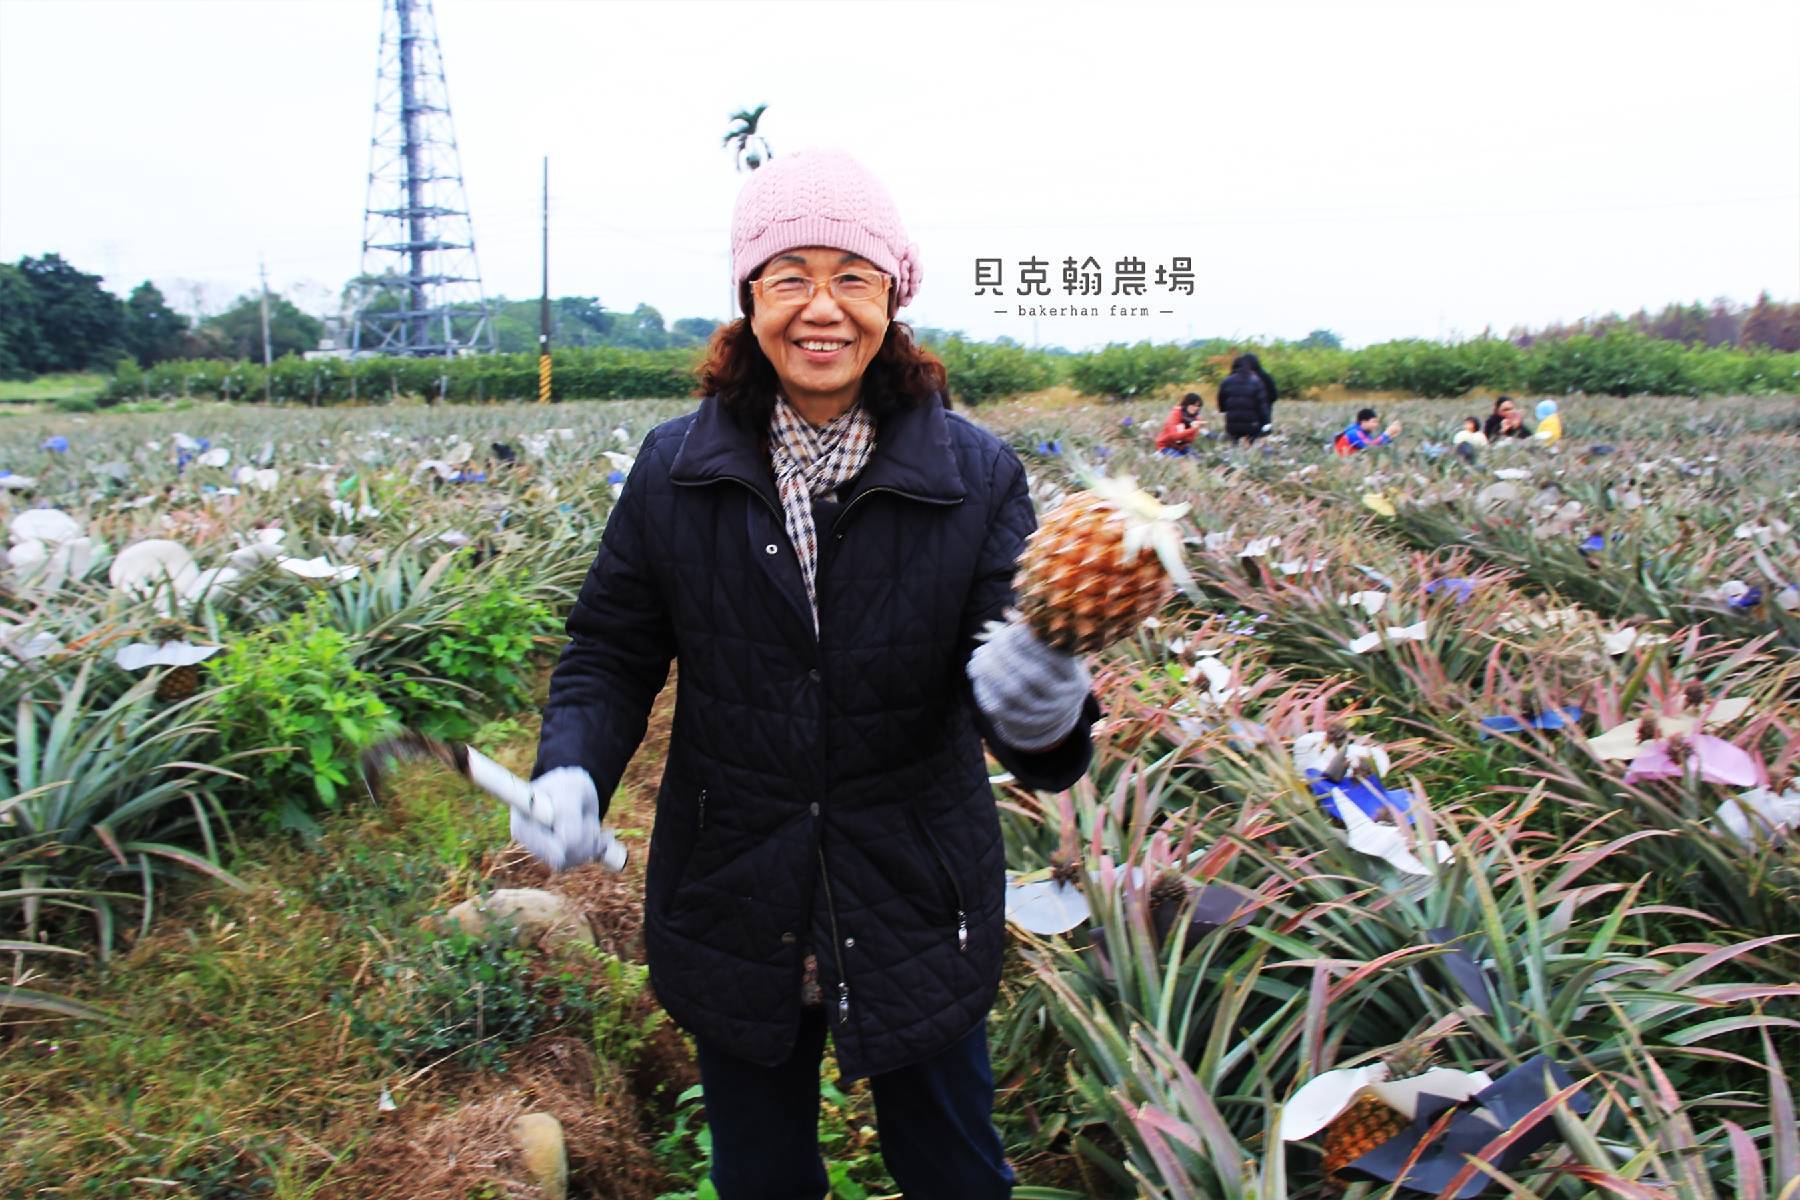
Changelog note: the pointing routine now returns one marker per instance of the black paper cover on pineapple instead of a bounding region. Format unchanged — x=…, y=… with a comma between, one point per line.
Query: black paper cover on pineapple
x=1506, y=1101
x=1459, y=966
x=1216, y=906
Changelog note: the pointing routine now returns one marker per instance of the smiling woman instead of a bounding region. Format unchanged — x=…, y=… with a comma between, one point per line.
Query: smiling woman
x=818, y=332
x=820, y=294
x=822, y=546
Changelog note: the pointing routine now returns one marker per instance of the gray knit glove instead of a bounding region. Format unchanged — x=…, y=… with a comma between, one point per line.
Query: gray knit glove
x=1030, y=693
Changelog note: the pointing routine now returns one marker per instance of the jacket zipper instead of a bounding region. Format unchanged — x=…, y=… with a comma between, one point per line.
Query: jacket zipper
x=836, y=941
x=962, y=919
x=848, y=508
x=702, y=808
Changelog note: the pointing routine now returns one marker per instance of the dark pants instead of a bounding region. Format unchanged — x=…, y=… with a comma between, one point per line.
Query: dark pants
x=935, y=1120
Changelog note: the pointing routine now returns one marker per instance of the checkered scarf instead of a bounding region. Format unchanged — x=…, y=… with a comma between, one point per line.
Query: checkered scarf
x=813, y=462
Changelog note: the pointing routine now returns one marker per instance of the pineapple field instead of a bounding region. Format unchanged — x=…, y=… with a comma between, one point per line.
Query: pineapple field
x=1442, y=837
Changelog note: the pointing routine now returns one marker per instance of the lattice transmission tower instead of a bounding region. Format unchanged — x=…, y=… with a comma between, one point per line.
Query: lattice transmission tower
x=419, y=292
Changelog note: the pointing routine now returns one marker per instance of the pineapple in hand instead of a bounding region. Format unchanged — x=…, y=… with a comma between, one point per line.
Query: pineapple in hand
x=1103, y=559
x=1084, y=580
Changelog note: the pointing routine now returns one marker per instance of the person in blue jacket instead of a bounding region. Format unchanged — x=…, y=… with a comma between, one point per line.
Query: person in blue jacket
x=1364, y=433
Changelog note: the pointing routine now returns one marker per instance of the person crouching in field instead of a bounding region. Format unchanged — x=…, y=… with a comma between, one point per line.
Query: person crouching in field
x=1506, y=421
x=1469, y=439
x=819, y=546
x=1365, y=433
x=1245, y=400
x=1184, y=423
x=1549, y=430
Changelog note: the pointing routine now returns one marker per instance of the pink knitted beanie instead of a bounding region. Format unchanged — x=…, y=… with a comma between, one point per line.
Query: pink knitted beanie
x=821, y=198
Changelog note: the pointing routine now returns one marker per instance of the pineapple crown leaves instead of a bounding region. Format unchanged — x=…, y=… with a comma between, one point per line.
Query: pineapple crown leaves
x=1411, y=1058
x=1149, y=523
x=171, y=629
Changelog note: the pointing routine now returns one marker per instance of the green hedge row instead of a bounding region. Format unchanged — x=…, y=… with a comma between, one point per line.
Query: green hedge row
x=601, y=373
x=1618, y=363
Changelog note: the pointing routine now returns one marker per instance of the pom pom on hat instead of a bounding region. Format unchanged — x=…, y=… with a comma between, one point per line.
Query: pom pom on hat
x=821, y=198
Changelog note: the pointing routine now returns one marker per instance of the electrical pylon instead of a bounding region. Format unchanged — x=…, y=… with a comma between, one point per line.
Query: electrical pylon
x=419, y=292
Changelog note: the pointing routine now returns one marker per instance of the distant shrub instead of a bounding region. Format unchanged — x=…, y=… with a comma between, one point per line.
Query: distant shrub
x=1617, y=363
x=1299, y=373
x=1433, y=368
x=1139, y=370
x=983, y=371
x=1717, y=371
x=1493, y=362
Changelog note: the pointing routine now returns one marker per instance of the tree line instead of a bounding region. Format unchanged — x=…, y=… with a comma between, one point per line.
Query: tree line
x=1764, y=325
x=55, y=317
x=579, y=322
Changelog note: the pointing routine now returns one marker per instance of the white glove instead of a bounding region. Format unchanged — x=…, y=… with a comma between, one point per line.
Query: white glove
x=566, y=831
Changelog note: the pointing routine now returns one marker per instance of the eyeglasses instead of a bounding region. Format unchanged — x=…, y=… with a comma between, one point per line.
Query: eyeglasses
x=785, y=291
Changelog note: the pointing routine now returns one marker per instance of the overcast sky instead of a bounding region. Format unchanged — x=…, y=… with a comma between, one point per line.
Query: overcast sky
x=1382, y=170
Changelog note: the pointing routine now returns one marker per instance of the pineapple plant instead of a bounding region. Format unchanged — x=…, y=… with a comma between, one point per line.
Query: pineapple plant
x=178, y=683
x=1337, y=740
x=168, y=647
x=1168, y=892
x=1370, y=1119
x=1168, y=888
x=1102, y=561
x=182, y=679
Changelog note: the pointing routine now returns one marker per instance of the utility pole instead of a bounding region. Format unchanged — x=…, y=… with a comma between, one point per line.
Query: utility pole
x=544, y=304
x=262, y=268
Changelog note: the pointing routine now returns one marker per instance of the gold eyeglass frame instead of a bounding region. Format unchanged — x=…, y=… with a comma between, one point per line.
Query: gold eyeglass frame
x=812, y=289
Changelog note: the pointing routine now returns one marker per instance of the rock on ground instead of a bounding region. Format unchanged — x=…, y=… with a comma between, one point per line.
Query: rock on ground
x=542, y=918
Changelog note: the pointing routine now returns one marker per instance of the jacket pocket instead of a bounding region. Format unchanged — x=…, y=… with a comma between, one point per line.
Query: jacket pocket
x=949, y=891
x=696, y=836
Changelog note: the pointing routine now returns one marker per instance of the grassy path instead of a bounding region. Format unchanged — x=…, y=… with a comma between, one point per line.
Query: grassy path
x=232, y=1072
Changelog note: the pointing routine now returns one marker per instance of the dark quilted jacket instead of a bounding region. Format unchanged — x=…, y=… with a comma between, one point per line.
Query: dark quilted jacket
x=1245, y=402
x=829, y=787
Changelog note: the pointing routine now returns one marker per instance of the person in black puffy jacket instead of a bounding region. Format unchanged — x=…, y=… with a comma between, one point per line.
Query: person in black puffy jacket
x=1246, y=400
x=1268, y=382
x=828, y=555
